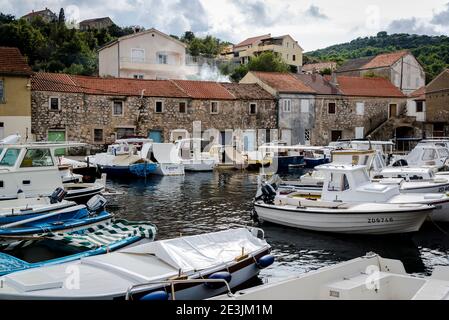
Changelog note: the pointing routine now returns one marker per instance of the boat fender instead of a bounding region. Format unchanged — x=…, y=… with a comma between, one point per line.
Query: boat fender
x=96, y=203
x=265, y=261
x=155, y=295
x=218, y=275
x=57, y=195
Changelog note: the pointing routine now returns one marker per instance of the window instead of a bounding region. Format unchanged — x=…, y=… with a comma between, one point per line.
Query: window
x=294, y=57
x=419, y=106
x=331, y=108
x=252, y=108
x=98, y=135
x=117, y=109
x=125, y=132
x=2, y=91
x=159, y=107
x=37, y=158
x=359, y=132
x=182, y=107
x=54, y=103
x=287, y=105
x=360, y=108
x=429, y=154
x=162, y=58
x=444, y=153
x=214, y=107
x=305, y=106
x=307, y=136
x=138, y=76
x=336, y=135
x=10, y=157
x=137, y=55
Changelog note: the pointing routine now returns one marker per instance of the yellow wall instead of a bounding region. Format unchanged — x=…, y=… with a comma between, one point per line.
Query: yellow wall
x=17, y=97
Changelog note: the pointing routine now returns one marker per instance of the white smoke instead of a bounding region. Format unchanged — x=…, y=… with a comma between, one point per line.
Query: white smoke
x=210, y=73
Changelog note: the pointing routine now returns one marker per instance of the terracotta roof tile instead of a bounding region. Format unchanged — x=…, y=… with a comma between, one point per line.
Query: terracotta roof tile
x=250, y=41
x=368, y=87
x=283, y=82
x=12, y=62
x=419, y=94
x=247, y=91
x=385, y=60
x=105, y=86
x=317, y=82
x=204, y=89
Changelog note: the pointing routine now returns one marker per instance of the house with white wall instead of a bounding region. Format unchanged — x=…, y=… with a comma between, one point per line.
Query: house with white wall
x=149, y=54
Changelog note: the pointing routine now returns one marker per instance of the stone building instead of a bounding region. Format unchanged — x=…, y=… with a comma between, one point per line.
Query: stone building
x=317, y=110
x=437, y=106
x=400, y=67
x=99, y=110
x=295, y=104
x=15, y=93
x=95, y=24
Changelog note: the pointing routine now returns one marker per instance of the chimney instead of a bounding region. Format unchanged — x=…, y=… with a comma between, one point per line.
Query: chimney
x=334, y=80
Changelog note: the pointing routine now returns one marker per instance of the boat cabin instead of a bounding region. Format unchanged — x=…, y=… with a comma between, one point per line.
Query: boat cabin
x=428, y=155
x=31, y=169
x=346, y=183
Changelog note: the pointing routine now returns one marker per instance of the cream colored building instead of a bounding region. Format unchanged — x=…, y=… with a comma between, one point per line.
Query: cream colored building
x=149, y=54
x=285, y=46
x=15, y=94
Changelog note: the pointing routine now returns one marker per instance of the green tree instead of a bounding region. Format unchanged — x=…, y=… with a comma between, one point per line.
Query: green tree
x=61, y=18
x=267, y=61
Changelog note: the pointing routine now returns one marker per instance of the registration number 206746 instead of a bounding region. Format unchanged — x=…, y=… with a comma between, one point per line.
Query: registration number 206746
x=380, y=220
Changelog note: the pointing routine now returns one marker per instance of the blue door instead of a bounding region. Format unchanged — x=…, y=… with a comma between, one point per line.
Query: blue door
x=155, y=135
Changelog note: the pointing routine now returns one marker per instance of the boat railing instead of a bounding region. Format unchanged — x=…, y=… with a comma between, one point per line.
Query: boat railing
x=172, y=284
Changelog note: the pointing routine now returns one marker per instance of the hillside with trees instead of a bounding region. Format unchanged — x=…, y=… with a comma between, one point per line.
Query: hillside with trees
x=53, y=47
x=431, y=51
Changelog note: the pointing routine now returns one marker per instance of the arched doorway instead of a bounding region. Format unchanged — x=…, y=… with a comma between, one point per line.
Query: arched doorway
x=405, y=138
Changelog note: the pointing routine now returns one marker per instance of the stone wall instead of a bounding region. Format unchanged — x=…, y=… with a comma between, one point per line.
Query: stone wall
x=346, y=119
x=80, y=114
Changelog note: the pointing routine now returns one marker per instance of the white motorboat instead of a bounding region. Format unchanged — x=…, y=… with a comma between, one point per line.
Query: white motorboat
x=165, y=156
x=416, y=180
x=352, y=184
x=367, y=278
x=123, y=159
x=193, y=159
x=432, y=155
x=194, y=267
x=31, y=170
x=349, y=203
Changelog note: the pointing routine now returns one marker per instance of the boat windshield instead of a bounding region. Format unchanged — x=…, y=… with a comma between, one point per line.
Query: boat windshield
x=37, y=158
x=444, y=153
x=10, y=157
x=429, y=154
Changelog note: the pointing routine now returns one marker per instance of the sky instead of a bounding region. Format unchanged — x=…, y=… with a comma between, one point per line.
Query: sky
x=314, y=24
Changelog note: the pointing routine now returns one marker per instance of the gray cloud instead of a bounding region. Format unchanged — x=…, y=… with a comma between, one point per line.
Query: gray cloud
x=441, y=18
x=257, y=11
x=315, y=12
x=412, y=26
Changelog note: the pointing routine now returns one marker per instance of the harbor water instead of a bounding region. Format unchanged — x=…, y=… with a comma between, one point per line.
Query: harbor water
x=207, y=202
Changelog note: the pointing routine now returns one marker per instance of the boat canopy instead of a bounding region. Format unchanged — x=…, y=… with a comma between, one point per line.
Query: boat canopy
x=201, y=251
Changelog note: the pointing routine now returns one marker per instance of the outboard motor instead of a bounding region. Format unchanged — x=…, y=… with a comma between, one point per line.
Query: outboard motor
x=96, y=204
x=268, y=193
x=58, y=195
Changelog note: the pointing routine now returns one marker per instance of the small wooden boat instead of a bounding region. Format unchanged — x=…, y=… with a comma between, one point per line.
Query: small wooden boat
x=194, y=267
x=367, y=278
x=103, y=238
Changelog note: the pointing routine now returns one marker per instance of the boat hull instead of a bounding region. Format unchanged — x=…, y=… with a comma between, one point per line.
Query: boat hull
x=169, y=169
x=368, y=223
x=284, y=163
x=312, y=163
x=199, y=166
x=140, y=170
